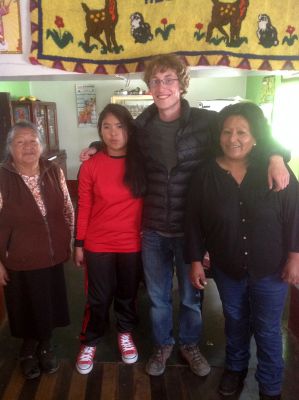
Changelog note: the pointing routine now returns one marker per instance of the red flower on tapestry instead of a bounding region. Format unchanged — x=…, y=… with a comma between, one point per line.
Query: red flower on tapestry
x=290, y=40
x=199, y=26
x=59, y=22
x=290, y=30
x=165, y=31
x=61, y=38
x=198, y=34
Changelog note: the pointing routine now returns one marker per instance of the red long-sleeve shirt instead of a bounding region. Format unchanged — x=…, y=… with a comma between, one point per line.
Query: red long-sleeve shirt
x=109, y=217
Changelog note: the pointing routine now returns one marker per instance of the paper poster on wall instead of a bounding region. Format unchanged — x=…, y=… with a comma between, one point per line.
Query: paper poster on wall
x=86, y=106
x=10, y=27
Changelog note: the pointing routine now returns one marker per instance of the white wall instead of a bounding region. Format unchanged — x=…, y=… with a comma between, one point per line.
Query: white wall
x=73, y=139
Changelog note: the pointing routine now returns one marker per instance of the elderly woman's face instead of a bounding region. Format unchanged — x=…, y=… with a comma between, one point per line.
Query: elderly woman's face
x=25, y=147
x=236, y=140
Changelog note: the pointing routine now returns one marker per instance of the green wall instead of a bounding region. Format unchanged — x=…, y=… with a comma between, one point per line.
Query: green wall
x=16, y=89
x=253, y=88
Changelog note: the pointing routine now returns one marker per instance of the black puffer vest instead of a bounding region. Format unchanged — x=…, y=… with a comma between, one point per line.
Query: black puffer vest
x=164, y=204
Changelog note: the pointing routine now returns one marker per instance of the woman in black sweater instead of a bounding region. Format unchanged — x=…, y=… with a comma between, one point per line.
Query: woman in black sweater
x=252, y=236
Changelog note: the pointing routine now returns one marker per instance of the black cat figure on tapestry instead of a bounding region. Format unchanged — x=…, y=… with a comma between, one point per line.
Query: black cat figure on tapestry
x=99, y=21
x=140, y=30
x=266, y=32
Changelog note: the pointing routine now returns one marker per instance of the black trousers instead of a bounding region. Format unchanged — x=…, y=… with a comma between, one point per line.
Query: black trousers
x=111, y=278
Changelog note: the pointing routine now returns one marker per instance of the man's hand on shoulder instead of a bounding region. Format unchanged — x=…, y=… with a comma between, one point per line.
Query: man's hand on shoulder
x=278, y=174
x=87, y=153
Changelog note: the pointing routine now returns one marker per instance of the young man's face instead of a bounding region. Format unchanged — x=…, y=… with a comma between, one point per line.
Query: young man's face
x=165, y=89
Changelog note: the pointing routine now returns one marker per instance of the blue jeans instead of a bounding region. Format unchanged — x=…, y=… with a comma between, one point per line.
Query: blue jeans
x=254, y=307
x=161, y=255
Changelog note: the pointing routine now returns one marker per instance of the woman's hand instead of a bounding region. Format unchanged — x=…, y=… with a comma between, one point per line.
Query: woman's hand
x=290, y=273
x=197, y=275
x=79, y=256
x=278, y=174
x=87, y=153
x=3, y=275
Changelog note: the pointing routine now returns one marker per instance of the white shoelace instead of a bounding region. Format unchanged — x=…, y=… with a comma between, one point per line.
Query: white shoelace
x=87, y=354
x=126, y=343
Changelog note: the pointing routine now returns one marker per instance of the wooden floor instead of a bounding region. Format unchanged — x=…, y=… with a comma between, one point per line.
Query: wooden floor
x=116, y=381
x=112, y=380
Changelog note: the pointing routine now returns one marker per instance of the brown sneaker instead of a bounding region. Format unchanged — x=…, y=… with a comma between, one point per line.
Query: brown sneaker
x=197, y=362
x=157, y=362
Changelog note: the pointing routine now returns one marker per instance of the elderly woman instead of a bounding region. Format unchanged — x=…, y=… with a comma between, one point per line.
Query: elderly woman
x=252, y=236
x=36, y=220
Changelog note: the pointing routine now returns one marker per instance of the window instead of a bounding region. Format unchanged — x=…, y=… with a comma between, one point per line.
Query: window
x=285, y=124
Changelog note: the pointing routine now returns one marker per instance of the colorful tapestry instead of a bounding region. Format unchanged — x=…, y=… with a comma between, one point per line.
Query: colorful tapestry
x=118, y=36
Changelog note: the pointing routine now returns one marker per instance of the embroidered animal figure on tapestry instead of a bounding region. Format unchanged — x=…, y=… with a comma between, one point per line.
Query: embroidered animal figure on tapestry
x=140, y=30
x=99, y=21
x=231, y=14
x=266, y=32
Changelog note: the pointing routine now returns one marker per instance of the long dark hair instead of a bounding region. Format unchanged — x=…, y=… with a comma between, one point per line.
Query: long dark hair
x=134, y=176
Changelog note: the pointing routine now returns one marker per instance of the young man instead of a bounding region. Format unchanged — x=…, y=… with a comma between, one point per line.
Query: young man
x=174, y=138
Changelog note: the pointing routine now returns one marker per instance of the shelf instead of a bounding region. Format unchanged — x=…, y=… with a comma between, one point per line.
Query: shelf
x=130, y=97
x=134, y=103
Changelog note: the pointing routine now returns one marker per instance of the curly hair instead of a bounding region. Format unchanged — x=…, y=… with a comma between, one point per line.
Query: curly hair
x=163, y=62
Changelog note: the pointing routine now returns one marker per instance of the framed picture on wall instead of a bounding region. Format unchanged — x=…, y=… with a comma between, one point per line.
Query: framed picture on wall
x=86, y=105
x=10, y=27
x=21, y=113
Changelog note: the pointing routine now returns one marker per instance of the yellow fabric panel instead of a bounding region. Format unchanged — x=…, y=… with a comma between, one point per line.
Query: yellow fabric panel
x=249, y=34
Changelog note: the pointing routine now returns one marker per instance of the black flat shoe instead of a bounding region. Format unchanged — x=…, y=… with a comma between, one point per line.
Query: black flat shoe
x=30, y=367
x=28, y=360
x=47, y=359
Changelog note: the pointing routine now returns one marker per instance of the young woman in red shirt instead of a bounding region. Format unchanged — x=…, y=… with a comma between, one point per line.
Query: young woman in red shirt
x=108, y=234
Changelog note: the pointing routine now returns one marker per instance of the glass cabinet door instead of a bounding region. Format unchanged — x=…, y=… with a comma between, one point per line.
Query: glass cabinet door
x=40, y=119
x=52, y=132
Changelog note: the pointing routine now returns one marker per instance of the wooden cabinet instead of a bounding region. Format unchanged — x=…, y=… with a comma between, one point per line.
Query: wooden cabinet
x=42, y=114
x=6, y=121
